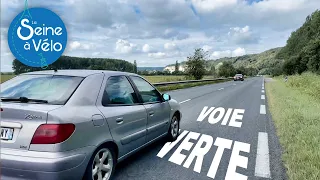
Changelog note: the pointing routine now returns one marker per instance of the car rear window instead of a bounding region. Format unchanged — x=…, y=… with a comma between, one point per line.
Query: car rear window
x=53, y=88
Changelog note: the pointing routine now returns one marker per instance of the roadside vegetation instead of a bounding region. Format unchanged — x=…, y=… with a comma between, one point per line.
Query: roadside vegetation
x=188, y=85
x=295, y=109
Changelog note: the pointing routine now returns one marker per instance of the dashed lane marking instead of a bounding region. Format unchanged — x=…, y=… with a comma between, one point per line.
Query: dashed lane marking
x=185, y=101
x=262, y=168
x=262, y=109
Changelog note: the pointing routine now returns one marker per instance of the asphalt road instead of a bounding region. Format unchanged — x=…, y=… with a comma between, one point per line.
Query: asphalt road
x=251, y=148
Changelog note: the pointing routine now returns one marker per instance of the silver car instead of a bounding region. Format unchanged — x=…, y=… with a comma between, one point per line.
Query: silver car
x=78, y=124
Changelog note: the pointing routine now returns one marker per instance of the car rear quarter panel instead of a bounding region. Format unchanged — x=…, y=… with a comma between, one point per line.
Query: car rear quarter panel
x=80, y=110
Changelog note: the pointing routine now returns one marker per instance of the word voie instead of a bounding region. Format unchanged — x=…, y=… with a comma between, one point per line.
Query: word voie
x=202, y=147
x=217, y=114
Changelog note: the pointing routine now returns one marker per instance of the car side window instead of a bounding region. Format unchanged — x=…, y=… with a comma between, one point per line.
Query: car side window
x=118, y=91
x=148, y=93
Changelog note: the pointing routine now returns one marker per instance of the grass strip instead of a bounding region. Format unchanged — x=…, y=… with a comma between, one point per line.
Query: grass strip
x=187, y=85
x=295, y=110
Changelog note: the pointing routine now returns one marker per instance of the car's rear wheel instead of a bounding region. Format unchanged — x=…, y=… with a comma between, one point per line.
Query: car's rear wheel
x=174, y=128
x=101, y=165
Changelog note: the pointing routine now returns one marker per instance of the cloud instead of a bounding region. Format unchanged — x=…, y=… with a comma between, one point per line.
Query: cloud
x=207, y=48
x=76, y=45
x=146, y=48
x=228, y=53
x=170, y=46
x=174, y=34
x=239, y=52
x=243, y=35
x=168, y=13
x=172, y=54
x=124, y=47
x=221, y=54
x=205, y=6
x=157, y=55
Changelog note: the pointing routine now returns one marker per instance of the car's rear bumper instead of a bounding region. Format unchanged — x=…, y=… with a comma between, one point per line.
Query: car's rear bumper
x=16, y=164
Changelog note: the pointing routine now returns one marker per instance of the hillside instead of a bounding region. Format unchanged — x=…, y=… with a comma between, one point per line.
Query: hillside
x=150, y=68
x=263, y=61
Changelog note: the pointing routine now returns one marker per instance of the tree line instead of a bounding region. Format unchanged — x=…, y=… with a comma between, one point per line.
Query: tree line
x=302, y=51
x=67, y=62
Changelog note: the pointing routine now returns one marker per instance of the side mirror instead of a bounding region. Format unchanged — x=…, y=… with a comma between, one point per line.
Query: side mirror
x=166, y=97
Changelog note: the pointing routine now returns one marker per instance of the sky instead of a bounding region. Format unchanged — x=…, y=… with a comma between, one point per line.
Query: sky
x=161, y=32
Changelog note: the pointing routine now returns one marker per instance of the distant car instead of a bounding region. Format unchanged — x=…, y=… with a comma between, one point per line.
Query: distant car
x=238, y=77
x=77, y=124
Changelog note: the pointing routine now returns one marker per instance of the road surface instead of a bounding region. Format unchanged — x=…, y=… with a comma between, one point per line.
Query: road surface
x=241, y=145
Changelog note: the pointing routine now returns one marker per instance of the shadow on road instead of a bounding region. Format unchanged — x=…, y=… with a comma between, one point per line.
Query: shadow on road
x=146, y=153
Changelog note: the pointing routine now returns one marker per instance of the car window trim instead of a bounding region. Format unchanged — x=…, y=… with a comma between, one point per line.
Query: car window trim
x=140, y=97
x=107, y=96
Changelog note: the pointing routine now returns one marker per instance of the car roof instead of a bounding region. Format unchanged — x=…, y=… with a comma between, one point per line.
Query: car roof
x=77, y=72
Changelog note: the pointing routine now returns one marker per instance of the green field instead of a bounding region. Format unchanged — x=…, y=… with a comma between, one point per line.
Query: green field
x=157, y=79
x=295, y=109
x=6, y=77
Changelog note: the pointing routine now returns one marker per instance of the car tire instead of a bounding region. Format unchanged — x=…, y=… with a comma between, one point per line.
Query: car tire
x=173, y=132
x=101, y=168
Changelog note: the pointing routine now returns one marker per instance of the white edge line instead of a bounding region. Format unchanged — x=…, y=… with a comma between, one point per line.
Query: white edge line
x=184, y=101
x=262, y=91
x=263, y=97
x=262, y=109
x=262, y=168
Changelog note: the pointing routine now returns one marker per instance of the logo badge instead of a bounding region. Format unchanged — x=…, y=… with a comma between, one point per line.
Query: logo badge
x=37, y=37
x=30, y=117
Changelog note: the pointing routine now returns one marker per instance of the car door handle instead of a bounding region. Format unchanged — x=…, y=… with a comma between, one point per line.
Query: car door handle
x=119, y=120
x=151, y=113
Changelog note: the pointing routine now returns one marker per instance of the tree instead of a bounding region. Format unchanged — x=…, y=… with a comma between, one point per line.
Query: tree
x=227, y=70
x=176, y=68
x=212, y=70
x=301, y=52
x=241, y=70
x=135, y=68
x=311, y=56
x=195, y=65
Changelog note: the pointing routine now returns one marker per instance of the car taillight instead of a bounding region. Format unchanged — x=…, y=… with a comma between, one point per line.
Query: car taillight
x=52, y=133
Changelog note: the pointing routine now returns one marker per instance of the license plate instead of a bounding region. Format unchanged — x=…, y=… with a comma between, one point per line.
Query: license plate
x=6, y=133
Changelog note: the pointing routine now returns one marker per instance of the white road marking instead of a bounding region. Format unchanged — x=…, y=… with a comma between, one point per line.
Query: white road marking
x=262, y=87
x=262, y=109
x=262, y=91
x=263, y=97
x=234, y=84
x=262, y=168
x=220, y=89
x=184, y=101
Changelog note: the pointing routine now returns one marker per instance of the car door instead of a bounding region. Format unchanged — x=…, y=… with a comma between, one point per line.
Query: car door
x=125, y=115
x=158, y=110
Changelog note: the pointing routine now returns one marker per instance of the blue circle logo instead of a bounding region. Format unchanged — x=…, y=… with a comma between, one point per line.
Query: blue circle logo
x=37, y=37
